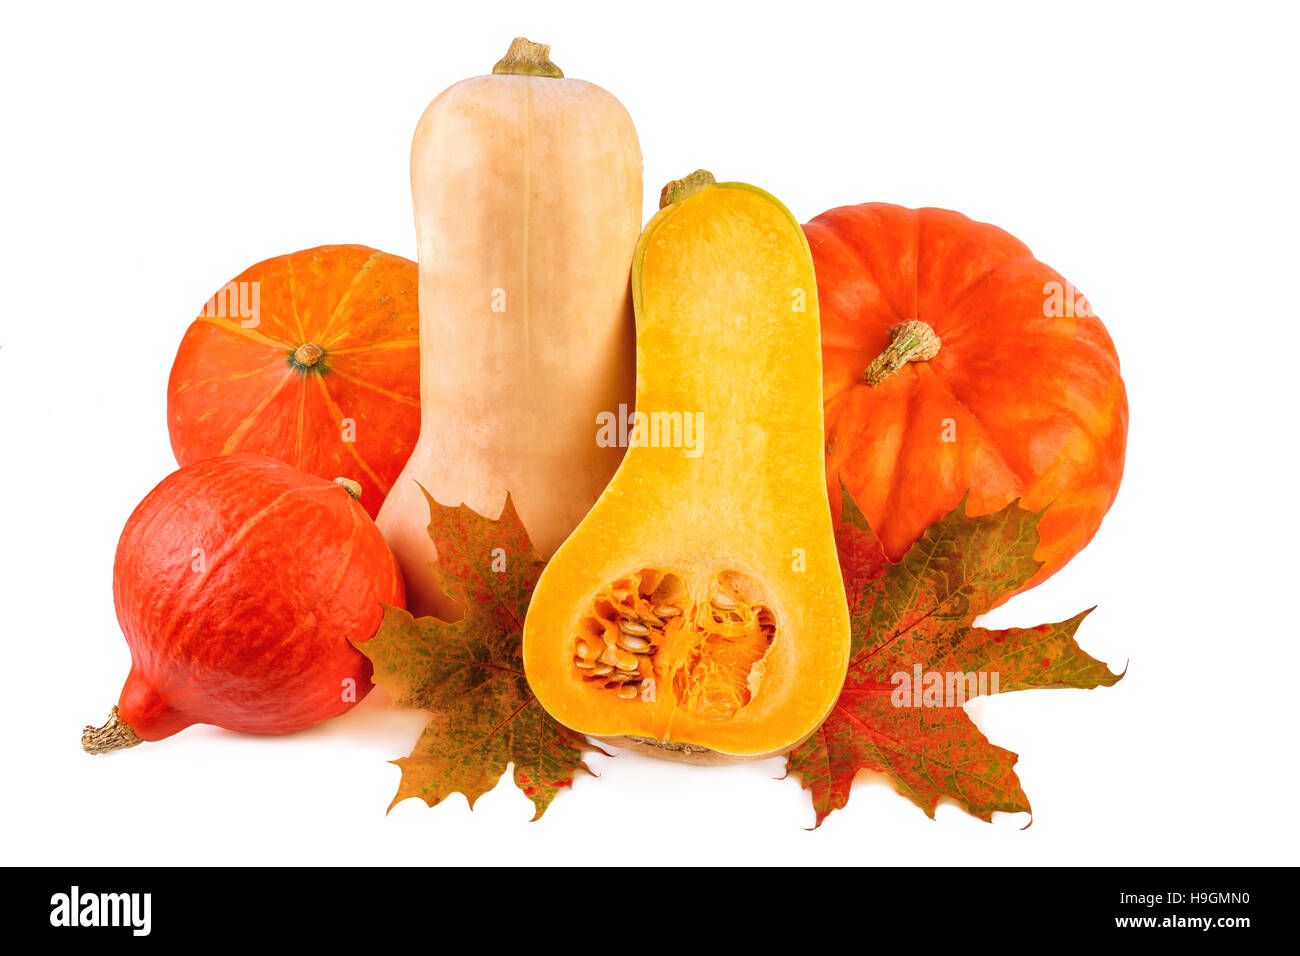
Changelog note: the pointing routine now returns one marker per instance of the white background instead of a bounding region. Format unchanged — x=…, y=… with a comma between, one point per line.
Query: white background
x=1148, y=151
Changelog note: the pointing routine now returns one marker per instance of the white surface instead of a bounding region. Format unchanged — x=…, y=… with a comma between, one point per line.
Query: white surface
x=1147, y=151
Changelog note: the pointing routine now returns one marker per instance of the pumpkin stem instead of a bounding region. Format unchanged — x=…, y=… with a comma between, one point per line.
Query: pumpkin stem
x=680, y=189
x=307, y=355
x=912, y=341
x=526, y=58
x=116, y=734
x=351, y=487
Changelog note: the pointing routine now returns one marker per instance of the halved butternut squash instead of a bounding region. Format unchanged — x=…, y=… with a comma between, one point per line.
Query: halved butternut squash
x=698, y=610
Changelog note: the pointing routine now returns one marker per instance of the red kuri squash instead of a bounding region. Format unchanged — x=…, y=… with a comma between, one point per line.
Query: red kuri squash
x=312, y=358
x=953, y=360
x=239, y=583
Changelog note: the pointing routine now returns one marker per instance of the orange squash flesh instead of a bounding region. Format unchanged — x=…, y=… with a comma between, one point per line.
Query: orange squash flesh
x=713, y=541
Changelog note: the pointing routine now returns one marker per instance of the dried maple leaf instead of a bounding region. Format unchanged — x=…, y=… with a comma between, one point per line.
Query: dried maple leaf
x=469, y=675
x=913, y=620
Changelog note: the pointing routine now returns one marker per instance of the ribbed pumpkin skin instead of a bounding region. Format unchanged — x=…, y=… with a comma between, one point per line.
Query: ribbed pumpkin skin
x=256, y=640
x=1034, y=402
x=235, y=389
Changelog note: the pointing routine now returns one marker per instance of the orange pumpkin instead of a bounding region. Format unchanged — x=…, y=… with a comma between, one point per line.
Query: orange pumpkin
x=312, y=358
x=953, y=360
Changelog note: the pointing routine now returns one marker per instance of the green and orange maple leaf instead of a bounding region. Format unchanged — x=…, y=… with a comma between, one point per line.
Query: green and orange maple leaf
x=915, y=618
x=469, y=675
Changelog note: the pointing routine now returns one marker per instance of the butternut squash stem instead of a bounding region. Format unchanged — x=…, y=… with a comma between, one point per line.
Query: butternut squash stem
x=912, y=341
x=680, y=189
x=526, y=58
x=115, y=734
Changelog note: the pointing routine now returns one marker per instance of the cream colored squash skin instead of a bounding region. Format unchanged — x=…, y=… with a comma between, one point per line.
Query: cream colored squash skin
x=527, y=193
x=698, y=610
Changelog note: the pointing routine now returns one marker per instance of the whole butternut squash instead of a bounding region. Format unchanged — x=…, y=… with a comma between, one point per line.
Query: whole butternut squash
x=527, y=191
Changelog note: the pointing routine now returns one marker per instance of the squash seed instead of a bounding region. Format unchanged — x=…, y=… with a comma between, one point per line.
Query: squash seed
x=724, y=602
x=666, y=611
x=602, y=670
x=628, y=692
x=633, y=627
x=630, y=642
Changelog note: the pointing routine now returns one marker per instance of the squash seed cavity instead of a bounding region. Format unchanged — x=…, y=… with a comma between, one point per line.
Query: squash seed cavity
x=644, y=634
